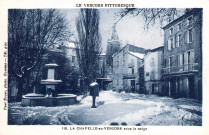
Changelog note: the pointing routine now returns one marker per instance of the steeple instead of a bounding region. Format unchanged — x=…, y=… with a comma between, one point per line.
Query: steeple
x=114, y=33
x=113, y=45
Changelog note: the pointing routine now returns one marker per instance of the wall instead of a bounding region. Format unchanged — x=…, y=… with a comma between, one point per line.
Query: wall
x=152, y=71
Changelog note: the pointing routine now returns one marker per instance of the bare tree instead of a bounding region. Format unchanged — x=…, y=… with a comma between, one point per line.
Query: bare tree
x=153, y=15
x=89, y=45
x=30, y=34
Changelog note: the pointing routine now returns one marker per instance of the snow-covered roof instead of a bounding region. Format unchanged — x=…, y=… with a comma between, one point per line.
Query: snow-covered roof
x=102, y=54
x=138, y=55
x=71, y=45
x=94, y=84
x=51, y=65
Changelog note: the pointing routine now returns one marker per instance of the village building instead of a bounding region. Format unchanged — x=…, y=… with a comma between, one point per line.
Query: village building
x=126, y=66
x=71, y=55
x=102, y=78
x=153, y=62
x=182, y=72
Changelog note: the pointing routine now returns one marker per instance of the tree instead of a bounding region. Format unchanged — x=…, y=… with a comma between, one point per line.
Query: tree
x=89, y=44
x=153, y=15
x=30, y=34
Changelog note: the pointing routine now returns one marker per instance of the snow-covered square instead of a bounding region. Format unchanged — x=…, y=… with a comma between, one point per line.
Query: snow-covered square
x=113, y=108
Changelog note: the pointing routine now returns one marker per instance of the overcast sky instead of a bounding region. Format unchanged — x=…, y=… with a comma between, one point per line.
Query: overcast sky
x=130, y=29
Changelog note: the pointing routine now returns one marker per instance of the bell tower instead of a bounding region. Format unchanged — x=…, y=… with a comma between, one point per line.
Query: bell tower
x=113, y=46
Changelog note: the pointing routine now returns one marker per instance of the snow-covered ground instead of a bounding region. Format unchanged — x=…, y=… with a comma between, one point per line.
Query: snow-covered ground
x=113, y=108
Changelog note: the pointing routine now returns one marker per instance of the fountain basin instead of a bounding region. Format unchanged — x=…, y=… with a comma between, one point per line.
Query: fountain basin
x=50, y=81
x=41, y=100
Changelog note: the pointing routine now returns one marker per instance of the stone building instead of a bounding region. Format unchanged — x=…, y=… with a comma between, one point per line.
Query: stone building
x=182, y=72
x=126, y=65
x=102, y=78
x=153, y=62
x=71, y=54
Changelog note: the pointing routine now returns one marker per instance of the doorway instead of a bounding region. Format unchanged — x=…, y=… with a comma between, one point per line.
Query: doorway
x=153, y=88
x=191, y=87
x=132, y=85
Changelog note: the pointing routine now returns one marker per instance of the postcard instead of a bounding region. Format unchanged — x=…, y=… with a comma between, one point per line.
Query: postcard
x=87, y=67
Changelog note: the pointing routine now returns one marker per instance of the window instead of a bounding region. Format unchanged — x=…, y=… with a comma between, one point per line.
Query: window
x=147, y=74
x=171, y=43
x=179, y=26
x=171, y=31
x=165, y=62
x=179, y=60
x=152, y=64
x=183, y=59
x=132, y=70
x=170, y=61
x=189, y=36
x=179, y=40
x=188, y=56
x=189, y=20
x=73, y=58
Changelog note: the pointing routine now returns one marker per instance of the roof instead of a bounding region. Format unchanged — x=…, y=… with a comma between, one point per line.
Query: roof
x=102, y=54
x=195, y=10
x=138, y=55
x=137, y=49
x=155, y=49
x=94, y=84
x=71, y=45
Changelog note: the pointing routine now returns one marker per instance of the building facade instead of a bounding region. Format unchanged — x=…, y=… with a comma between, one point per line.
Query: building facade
x=102, y=78
x=182, y=71
x=153, y=62
x=126, y=66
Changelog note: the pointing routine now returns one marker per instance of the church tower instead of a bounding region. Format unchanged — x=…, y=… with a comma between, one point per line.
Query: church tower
x=113, y=45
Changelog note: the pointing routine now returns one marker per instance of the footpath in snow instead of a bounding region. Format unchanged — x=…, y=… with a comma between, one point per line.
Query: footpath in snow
x=113, y=108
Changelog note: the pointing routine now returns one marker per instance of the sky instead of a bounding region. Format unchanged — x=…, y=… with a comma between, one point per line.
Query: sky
x=130, y=29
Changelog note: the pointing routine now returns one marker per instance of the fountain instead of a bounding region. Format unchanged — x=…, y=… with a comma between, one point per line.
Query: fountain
x=51, y=98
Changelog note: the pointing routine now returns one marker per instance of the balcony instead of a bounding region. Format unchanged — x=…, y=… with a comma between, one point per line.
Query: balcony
x=181, y=69
x=129, y=76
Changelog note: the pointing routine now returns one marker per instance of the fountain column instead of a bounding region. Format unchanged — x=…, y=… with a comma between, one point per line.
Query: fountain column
x=50, y=82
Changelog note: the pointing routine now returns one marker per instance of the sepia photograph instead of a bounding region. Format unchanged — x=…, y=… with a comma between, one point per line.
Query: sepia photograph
x=105, y=66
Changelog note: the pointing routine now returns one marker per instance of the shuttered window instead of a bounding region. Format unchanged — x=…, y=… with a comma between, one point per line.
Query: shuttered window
x=172, y=43
x=189, y=35
x=179, y=40
x=170, y=61
x=189, y=20
x=191, y=57
x=181, y=59
x=185, y=58
x=169, y=44
x=178, y=60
